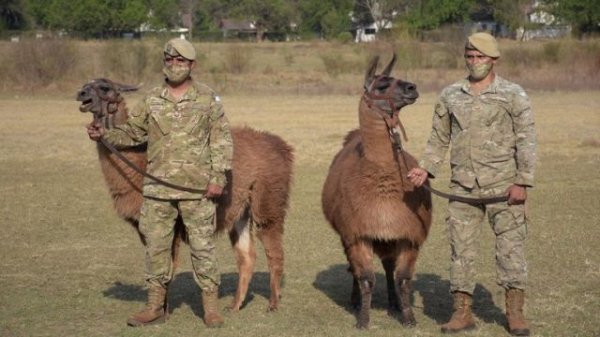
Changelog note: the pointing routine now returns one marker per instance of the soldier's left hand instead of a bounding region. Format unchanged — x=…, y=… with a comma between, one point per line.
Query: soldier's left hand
x=517, y=194
x=214, y=191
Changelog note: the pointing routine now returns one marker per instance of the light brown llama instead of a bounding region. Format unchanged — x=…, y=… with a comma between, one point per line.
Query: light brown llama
x=254, y=203
x=369, y=202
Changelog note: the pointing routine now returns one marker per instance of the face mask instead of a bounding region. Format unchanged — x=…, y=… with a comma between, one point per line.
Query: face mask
x=177, y=73
x=479, y=71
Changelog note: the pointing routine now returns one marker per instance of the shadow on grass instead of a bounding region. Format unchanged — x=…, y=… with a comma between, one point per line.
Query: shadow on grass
x=336, y=283
x=184, y=290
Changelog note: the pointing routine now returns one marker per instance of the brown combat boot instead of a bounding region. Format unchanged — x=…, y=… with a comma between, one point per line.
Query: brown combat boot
x=517, y=325
x=462, y=318
x=156, y=310
x=210, y=304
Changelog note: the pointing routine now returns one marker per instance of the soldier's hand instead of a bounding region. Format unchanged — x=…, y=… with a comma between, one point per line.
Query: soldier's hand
x=417, y=176
x=95, y=131
x=213, y=191
x=516, y=194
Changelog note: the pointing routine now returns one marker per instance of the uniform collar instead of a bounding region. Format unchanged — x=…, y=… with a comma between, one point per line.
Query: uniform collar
x=491, y=89
x=189, y=95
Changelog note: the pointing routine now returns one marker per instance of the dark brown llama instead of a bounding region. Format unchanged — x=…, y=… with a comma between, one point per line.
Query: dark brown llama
x=254, y=203
x=370, y=203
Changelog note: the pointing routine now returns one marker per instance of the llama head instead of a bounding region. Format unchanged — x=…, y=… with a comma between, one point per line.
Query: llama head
x=387, y=93
x=101, y=97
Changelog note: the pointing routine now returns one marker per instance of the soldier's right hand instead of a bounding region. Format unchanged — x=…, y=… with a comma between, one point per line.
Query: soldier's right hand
x=417, y=176
x=95, y=131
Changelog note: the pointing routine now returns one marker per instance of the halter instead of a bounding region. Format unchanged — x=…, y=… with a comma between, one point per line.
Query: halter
x=393, y=122
x=109, y=105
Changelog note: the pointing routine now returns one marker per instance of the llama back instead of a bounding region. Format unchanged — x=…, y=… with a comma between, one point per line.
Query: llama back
x=260, y=178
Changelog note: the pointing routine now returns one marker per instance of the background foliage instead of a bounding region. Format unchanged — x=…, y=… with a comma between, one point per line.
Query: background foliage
x=58, y=66
x=327, y=18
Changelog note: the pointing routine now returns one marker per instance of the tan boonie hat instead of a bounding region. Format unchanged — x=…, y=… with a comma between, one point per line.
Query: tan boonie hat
x=485, y=43
x=177, y=46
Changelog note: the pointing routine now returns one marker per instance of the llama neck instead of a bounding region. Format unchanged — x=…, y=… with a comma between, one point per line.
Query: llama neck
x=375, y=136
x=120, y=116
x=117, y=118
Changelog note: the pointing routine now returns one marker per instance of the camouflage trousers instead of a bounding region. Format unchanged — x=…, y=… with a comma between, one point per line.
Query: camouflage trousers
x=157, y=223
x=464, y=228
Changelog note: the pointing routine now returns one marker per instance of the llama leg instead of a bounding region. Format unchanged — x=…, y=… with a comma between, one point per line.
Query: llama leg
x=245, y=254
x=272, y=237
x=404, y=272
x=360, y=256
x=355, y=296
x=389, y=267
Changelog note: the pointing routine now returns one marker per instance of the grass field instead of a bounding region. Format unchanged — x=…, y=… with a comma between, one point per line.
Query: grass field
x=71, y=267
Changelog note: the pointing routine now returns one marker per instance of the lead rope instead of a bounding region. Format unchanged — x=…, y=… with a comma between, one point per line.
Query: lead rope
x=112, y=149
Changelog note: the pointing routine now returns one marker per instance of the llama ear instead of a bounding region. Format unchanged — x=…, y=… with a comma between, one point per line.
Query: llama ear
x=370, y=75
x=388, y=69
x=126, y=87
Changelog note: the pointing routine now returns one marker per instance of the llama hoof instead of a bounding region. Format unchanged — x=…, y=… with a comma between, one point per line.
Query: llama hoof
x=362, y=326
x=392, y=310
x=408, y=319
x=409, y=323
x=233, y=308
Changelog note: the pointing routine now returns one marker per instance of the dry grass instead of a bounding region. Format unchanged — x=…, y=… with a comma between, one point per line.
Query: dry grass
x=70, y=267
x=50, y=67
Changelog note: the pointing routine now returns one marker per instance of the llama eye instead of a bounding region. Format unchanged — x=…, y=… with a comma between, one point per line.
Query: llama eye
x=382, y=86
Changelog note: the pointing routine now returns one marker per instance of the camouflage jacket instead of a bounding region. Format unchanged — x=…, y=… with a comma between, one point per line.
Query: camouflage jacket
x=491, y=135
x=189, y=140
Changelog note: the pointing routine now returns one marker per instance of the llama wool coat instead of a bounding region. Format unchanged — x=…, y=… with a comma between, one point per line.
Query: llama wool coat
x=189, y=140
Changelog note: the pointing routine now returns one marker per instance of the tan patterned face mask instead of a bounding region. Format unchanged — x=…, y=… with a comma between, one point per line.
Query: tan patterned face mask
x=479, y=71
x=177, y=73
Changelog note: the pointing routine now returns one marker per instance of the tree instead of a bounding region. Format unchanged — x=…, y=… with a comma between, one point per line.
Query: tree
x=430, y=14
x=96, y=18
x=513, y=14
x=582, y=15
x=267, y=15
x=127, y=15
x=379, y=12
x=327, y=18
x=210, y=12
x=162, y=14
x=12, y=15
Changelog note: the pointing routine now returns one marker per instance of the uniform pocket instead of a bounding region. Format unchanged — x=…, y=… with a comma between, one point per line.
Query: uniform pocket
x=198, y=117
x=510, y=218
x=161, y=123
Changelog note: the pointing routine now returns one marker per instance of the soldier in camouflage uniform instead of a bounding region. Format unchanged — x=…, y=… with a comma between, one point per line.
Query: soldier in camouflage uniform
x=488, y=123
x=189, y=144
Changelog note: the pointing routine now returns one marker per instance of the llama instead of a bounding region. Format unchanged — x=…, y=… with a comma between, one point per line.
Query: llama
x=254, y=202
x=370, y=203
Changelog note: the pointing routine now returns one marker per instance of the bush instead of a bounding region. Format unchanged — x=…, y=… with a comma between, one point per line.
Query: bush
x=344, y=37
x=237, y=59
x=34, y=64
x=336, y=64
x=130, y=61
